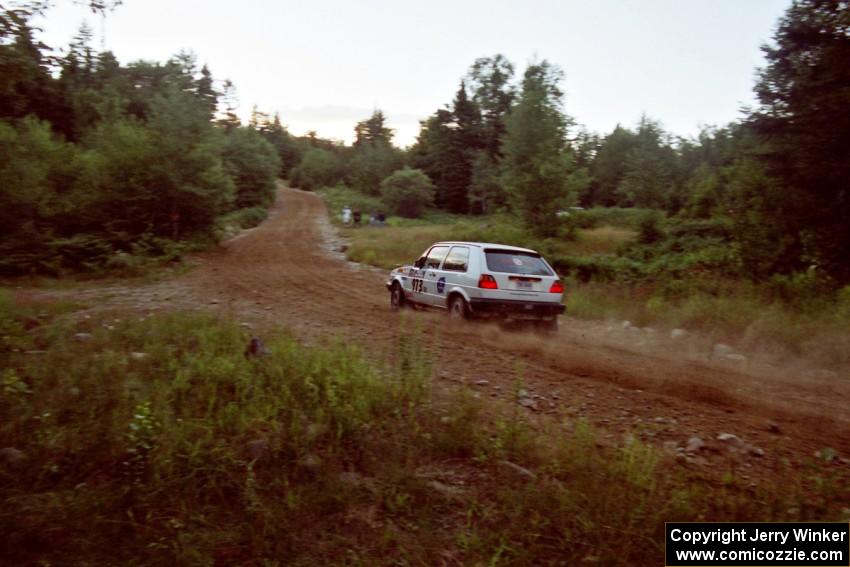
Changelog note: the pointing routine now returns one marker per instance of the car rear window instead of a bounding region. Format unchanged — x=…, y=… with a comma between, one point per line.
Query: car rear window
x=457, y=259
x=510, y=262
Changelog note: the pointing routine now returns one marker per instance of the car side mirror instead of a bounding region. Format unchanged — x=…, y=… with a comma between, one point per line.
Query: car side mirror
x=419, y=263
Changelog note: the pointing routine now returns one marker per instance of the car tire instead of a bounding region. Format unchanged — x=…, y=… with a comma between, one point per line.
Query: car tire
x=458, y=309
x=397, y=299
x=548, y=325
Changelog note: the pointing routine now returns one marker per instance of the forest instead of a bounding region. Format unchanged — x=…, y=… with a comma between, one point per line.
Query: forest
x=103, y=165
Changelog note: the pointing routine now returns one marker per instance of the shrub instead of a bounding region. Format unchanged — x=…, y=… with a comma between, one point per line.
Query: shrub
x=371, y=163
x=649, y=231
x=319, y=168
x=407, y=192
x=245, y=218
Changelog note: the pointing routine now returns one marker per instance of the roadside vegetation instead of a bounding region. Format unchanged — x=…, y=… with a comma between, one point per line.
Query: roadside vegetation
x=110, y=168
x=676, y=281
x=156, y=441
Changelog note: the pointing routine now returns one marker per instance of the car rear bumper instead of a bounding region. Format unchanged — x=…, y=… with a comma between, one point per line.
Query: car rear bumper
x=516, y=308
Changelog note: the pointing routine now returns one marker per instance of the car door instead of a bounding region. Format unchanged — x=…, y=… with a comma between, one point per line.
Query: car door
x=413, y=281
x=430, y=273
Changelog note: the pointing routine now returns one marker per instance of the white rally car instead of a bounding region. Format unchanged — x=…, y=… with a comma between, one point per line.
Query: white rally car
x=478, y=279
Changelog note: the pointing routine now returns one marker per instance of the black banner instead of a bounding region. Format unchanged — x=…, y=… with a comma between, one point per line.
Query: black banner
x=816, y=544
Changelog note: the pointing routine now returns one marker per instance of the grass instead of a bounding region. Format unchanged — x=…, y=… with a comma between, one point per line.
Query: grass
x=741, y=315
x=186, y=452
x=403, y=242
x=597, y=241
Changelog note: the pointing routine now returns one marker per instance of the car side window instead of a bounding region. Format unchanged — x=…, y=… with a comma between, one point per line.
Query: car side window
x=435, y=257
x=457, y=260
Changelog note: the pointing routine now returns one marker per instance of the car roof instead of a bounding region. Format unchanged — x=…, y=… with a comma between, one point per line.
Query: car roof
x=487, y=245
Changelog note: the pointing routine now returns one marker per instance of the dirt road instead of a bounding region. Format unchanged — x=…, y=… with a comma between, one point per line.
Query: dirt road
x=284, y=273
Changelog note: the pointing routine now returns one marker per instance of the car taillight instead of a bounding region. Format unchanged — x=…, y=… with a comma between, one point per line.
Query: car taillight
x=557, y=287
x=487, y=281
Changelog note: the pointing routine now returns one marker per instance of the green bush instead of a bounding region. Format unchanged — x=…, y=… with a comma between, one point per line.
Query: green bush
x=649, y=230
x=318, y=168
x=370, y=164
x=245, y=218
x=253, y=163
x=407, y=192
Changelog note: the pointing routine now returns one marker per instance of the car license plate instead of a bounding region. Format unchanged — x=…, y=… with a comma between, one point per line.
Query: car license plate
x=523, y=285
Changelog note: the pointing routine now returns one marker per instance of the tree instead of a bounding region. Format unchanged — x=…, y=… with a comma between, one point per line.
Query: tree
x=318, y=168
x=188, y=170
x=804, y=124
x=537, y=164
x=373, y=156
x=586, y=146
x=370, y=164
x=609, y=167
x=104, y=158
x=464, y=139
x=446, y=148
x=206, y=92
x=433, y=146
x=288, y=150
x=486, y=194
x=407, y=192
x=489, y=80
x=26, y=86
x=228, y=117
x=373, y=130
x=36, y=169
x=648, y=174
x=253, y=164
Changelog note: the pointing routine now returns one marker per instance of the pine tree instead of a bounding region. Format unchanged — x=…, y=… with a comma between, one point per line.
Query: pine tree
x=206, y=92
x=538, y=165
x=464, y=142
x=446, y=150
x=648, y=174
x=609, y=167
x=804, y=124
x=228, y=118
x=489, y=80
x=373, y=130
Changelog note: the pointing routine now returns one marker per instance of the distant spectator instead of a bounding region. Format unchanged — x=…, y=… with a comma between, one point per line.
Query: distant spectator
x=346, y=215
x=356, y=217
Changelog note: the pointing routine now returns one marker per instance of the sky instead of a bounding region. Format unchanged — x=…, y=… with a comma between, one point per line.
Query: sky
x=326, y=64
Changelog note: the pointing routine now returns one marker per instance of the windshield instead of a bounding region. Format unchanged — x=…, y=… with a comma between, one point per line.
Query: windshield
x=510, y=262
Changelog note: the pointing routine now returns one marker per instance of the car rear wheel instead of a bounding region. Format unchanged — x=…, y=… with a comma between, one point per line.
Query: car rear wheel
x=397, y=300
x=458, y=309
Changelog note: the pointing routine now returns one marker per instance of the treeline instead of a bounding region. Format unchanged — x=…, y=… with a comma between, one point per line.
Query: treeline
x=103, y=165
x=772, y=188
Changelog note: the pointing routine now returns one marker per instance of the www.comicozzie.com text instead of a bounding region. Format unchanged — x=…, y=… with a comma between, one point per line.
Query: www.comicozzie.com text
x=781, y=536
